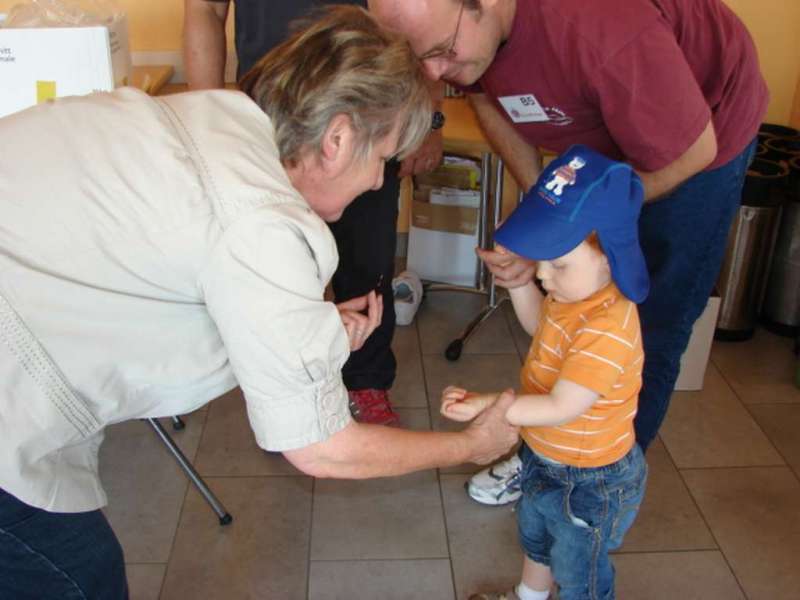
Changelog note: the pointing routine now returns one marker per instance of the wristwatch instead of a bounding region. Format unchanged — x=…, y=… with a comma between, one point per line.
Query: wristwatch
x=437, y=122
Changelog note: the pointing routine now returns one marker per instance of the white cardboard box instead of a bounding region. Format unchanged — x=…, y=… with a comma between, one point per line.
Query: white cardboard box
x=695, y=360
x=443, y=235
x=442, y=256
x=38, y=64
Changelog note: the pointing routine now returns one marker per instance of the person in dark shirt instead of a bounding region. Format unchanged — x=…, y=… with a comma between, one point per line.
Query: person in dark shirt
x=366, y=235
x=672, y=87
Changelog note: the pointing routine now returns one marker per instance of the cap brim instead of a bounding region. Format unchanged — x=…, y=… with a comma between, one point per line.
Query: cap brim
x=534, y=231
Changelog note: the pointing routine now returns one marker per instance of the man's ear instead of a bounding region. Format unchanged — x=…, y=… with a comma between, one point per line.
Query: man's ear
x=336, y=147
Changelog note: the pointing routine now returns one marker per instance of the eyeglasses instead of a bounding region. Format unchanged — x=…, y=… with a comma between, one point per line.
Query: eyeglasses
x=450, y=52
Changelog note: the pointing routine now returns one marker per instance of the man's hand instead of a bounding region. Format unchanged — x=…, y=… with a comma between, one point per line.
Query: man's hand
x=510, y=270
x=358, y=325
x=490, y=434
x=426, y=158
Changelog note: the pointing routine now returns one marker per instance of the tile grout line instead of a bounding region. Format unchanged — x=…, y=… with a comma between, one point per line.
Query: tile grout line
x=378, y=560
x=438, y=471
x=773, y=444
x=711, y=532
x=670, y=551
x=735, y=467
x=746, y=407
x=189, y=485
x=694, y=499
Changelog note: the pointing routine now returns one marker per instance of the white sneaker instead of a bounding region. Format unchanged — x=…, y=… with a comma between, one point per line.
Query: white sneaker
x=407, y=289
x=498, y=484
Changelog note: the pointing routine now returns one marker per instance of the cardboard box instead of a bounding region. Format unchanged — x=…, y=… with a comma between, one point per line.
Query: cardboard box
x=443, y=235
x=695, y=360
x=459, y=175
x=39, y=64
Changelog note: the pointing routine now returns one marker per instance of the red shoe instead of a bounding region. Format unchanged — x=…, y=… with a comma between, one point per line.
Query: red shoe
x=372, y=406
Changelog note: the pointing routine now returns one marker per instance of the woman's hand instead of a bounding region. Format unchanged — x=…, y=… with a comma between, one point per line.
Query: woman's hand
x=460, y=405
x=491, y=434
x=510, y=270
x=359, y=326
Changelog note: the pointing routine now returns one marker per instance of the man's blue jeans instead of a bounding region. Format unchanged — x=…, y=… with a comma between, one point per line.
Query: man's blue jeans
x=58, y=556
x=683, y=237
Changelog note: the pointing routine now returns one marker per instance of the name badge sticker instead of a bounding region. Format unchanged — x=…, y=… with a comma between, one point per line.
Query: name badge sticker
x=524, y=108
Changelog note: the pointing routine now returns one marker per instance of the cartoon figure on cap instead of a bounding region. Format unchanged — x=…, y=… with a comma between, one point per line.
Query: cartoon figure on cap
x=565, y=175
x=582, y=375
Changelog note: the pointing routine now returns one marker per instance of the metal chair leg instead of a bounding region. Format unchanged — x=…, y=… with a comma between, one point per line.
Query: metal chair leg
x=224, y=517
x=484, y=283
x=454, y=348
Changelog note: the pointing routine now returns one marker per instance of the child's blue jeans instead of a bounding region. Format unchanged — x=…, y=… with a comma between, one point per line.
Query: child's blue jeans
x=569, y=518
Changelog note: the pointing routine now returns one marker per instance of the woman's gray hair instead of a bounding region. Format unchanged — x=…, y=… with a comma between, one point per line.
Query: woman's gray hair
x=341, y=62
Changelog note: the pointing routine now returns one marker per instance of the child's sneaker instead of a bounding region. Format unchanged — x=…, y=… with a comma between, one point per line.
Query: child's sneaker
x=407, y=289
x=498, y=484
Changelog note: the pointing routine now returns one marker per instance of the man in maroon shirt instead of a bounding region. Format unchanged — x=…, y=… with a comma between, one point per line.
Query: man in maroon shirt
x=671, y=86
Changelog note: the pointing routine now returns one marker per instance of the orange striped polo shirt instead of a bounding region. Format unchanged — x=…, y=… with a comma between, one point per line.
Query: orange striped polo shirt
x=595, y=343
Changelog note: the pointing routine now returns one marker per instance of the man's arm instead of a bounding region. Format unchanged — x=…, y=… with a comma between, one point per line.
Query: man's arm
x=428, y=156
x=521, y=159
x=204, y=43
x=700, y=154
x=524, y=162
x=361, y=451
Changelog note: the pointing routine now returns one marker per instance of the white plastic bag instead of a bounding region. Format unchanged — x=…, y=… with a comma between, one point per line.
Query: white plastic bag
x=63, y=13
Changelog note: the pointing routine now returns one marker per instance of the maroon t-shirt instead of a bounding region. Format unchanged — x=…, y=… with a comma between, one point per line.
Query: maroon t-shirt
x=634, y=79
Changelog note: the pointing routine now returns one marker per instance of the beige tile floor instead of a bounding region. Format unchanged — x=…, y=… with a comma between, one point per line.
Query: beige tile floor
x=721, y=520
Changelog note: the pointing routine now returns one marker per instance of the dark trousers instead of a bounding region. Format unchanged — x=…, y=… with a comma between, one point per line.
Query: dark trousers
x=366, y=237
x=683, y=237
x=58, y=556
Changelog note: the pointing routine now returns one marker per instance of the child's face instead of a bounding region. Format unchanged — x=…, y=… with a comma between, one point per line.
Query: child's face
x=576, y=275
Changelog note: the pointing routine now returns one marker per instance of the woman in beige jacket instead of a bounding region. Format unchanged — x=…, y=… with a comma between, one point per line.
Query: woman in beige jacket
x=157, y=252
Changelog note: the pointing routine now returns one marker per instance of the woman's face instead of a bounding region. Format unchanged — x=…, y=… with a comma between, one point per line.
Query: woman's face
x=356, y=177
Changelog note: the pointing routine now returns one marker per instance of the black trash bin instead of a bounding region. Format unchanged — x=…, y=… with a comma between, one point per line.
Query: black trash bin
x=781, y=148
x=781, y=309
x=747, y=258
x=773, y=130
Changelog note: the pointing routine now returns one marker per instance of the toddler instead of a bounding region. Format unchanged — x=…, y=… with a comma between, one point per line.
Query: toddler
x=583, y=476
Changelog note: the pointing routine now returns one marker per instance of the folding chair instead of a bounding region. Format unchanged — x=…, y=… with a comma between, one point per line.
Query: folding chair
x=484, y=280
x=177, y=424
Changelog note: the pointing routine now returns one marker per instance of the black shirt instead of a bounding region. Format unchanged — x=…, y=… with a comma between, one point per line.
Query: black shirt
x=263, y=24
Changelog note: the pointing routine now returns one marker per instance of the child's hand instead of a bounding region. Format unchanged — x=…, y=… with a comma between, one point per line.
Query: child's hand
x=460, y=405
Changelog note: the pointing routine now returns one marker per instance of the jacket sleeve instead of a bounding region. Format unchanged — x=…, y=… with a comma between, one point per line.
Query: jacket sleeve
x=264, y=287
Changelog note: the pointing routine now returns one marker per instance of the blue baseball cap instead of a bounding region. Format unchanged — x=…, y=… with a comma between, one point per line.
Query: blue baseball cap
x=579, y=192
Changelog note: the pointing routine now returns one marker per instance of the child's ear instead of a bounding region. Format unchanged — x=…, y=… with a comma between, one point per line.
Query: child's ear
x=604, y=266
